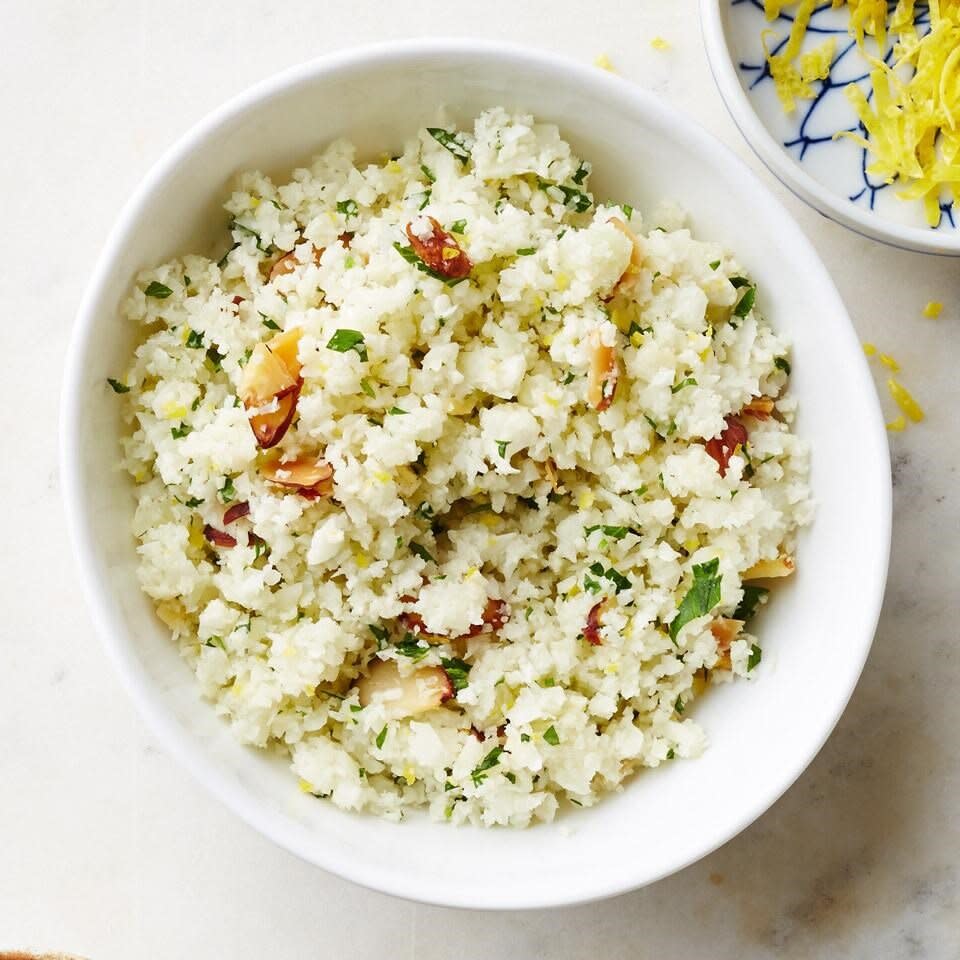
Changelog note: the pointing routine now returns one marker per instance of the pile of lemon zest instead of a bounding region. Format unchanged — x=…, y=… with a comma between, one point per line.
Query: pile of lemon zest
x=869, y=349
x=933, y=309
x=585, y=500
x=561, y=281
x=658, y=43
x=772, y=8
x=816, y=63
x=905, y=401
x=174, y=411
x=603, y=62
x=305, y=786
x=361, y=559
x=889, y=362
x=898, y=425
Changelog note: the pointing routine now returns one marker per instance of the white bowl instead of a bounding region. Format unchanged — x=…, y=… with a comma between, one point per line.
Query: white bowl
x=799, y=149
x=816, y=634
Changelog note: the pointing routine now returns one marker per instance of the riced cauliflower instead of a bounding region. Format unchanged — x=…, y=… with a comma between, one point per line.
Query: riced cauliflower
x=453, y=481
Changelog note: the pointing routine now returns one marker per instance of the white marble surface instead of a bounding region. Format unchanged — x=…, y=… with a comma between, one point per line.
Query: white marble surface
x=109, y=850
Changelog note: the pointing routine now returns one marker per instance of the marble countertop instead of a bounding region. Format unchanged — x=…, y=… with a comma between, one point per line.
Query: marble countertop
x=109, y=850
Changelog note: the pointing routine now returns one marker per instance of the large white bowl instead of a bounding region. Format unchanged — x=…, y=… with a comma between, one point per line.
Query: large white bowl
x=816, y=634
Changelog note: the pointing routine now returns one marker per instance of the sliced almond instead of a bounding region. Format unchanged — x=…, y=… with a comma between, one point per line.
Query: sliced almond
x=769, y=569
x=725, y=630
x=284, y=346
x=602, y=380
x=303, y=473
x=289, y=262
x=264, y=377
x=424, y=689
x=760, y=407
x=269, y=428
x=636, y=253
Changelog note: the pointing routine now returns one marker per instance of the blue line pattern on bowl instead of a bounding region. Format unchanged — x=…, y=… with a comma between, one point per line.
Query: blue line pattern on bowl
x=829, y=108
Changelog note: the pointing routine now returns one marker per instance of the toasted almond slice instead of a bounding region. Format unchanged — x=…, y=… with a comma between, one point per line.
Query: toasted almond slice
x=591, y=632
x=636, y=254
x=424, y=689
x=602, y=380
x=284, y=347
x=305, y=473
x=760, y=407
x=289, y=262
x=269, y=428
x=264, y=377
x=769, y=569
x=550, y=470
x=725, y=630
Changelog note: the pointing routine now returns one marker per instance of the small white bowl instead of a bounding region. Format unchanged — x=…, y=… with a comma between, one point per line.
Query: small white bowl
x=817, y=631
x=800, y=149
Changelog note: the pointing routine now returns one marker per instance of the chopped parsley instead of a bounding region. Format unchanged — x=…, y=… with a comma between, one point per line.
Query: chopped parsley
x=194, y=339
x=411, y=647
x=366, y=388
x=458, y=226
x=573, y=198
x=492, y=759
x=688, y=382
x=424, y=511
x=526, y=251
x=551, y=736
x=420, y=551
x=381, y=737
x=215, y=359
x=581, y=174
x=670, y=754
x=348, y=208
x=159, y=291
x=502, y=447
x=228, y=491
x=745, y=304
x=614, y=533
x=397, y=412
x=379, y=633
x=715, y=264
x=222, y=262
x=268, y=323
x=426, y=199
x=782, y=363
x=752, y=598
x=524, y=737
x=457, y=670
x=614, y=576
x=678, y=705
x=738, y=282
x=627, y=209
x=410, y=255
x=180, y=431
x=568, y=379
x=590, y=584
x=756, y=655
x=117, y=386
x=193, y=502
x=451, y=141
x=236, y=225
x=344, y=340
x=701, y=598
x=428, y=173
x=512, y=777
x=636, y=328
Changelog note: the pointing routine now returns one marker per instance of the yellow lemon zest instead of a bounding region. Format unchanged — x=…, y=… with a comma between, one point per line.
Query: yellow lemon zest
x=561, y=281
x=905, y=401
x=174, y=411
x=658, y=43
x=898, y=425
x=409, y=776
x=933, y=309
x=603, y=62
x=889, y=362
x=361, y=559
x=305, y=786
x=585, y=500
x=869, y=349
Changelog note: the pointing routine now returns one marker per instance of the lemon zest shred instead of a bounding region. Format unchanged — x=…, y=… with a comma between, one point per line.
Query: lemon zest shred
x=604, y=63
x=933, y=309
x=869, y=349
x=305, y=786
x=658, y=43
x=905, y=401
x=889, y=362
x=898, y=425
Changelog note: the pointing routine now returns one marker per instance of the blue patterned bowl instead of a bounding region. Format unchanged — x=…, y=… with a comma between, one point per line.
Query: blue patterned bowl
x=800, y=148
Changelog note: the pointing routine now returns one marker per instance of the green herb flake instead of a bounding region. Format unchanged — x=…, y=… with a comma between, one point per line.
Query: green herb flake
x=689, y=382
x=457, y=670
x=228, y=491
x=451, y=141
x=355, y=708
x=524, y=737
x=366, y=388
x=670, y=754
x=568, y=379
x=701, y=598
x=344, y=340
x=194, y=339
x=117, y=386
x=491, y=760
x=215, y=359
x=348, y=208
x=424, y=511
x=159, y=291
x=410, y=255
x=193, y=502
x=512, y=777
x=411, y=647
x=752, y=598
x=502, y=447
x=380, y=634
x=428, y=173
x=458, y=226
x=627, y=209
x=745, y=304
x=614, y=533
x=581, y=174
x=268, y=323
x=715, y=265
x=756, y=655
x=678, y=705
x=551, y=736
x=180, y=431
x=782, y=363
x=738, y=282
x=591, y=585
x=526, y=251
x=397, y=412
x=420, y=551
x=381, y=737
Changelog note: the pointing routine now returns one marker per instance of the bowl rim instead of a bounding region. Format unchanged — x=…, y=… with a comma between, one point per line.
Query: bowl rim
x=790, y=173
x=113, y=632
